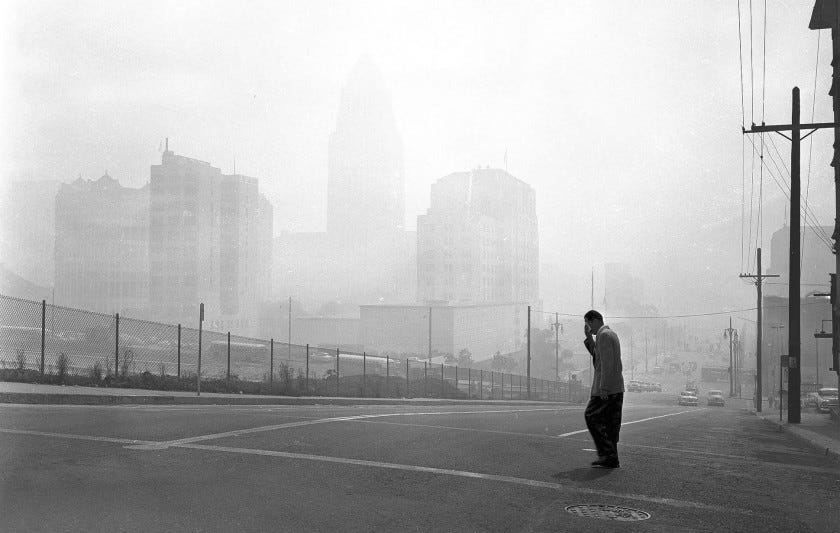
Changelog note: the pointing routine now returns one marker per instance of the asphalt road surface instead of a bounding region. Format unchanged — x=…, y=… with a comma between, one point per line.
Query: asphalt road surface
x=403, y=468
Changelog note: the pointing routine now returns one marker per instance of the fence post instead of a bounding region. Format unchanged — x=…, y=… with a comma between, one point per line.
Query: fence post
x=457, y=388
x=492, y=385
x=337, y=375
x=469, y=383
x=442, y=378
x=407, y=395
x=200, y=327
x=387, y=376
x=481, y=384
x=117, y=347
x=364, y=373
x=271, y=367
x=43, y=332
x=179, y=351
x=228, y=362
x=425, y=379
x=307, y=369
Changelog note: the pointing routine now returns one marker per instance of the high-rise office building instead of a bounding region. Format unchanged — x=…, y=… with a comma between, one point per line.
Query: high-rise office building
x=366, y=184
x=27, y=229
x=622, y=290
x=184, y=237
x=365, y=255
x=208, y=244
x=478, y=241
x=102, y=246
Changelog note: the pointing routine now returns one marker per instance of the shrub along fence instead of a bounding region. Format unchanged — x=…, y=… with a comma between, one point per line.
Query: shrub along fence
x=52, y=344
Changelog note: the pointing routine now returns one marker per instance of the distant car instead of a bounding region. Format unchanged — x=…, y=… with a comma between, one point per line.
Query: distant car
x=715, y=398
x=634, y=386
x=656, y=387
x=692, y=389
x=812, y=399
x=827, y=398
x=687, y=398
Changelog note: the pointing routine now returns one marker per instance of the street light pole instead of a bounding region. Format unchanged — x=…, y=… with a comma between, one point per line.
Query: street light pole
x=728, y=333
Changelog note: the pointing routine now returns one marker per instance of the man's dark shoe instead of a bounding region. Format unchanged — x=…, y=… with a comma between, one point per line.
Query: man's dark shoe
x=606, y=462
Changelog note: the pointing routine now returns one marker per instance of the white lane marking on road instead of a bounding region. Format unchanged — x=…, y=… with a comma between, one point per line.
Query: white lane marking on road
x=473, y=430
x=76, y=437
x=466, y=474
x=261, y=429
x=569, y=434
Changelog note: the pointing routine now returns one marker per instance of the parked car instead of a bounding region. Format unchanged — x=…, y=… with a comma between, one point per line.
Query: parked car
x=812, y=399
x=656, y=387
x=715, y=398
x=634, y=386
x=687, y=398
x=827, y=398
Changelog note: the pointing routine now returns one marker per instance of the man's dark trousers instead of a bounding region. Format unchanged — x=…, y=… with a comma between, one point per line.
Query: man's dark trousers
x=603, y=418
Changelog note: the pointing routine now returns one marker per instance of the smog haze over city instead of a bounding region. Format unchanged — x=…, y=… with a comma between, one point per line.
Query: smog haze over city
x=624, y=117
x=322, y=265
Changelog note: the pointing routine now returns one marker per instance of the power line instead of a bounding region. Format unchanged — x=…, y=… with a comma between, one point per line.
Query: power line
x=811, y=144
x=787, y=188
x=761, y=173
x=786, y=192
x=741, y=63
x=743, y=195
x=743, y=124
x=752, y=74
x=693, y=315
x=787, y=196
x=752, y=198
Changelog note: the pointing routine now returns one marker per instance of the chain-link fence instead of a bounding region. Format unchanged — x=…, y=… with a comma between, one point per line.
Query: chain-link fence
x=47, y=343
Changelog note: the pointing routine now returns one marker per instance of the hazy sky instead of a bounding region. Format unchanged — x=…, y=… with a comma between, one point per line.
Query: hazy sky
x=624, y=116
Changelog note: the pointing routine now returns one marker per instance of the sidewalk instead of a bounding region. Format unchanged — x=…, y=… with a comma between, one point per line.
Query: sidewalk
x=32, y=393
x=818, y=429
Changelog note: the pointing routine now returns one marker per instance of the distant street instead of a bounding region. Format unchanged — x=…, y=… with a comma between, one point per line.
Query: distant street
x=402, y=468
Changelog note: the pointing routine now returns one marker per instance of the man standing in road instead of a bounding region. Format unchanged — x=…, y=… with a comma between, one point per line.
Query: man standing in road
x=603, y=413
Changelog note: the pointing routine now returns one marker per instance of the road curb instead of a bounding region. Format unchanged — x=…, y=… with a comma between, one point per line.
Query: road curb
x=831, y=447
x=107, y=399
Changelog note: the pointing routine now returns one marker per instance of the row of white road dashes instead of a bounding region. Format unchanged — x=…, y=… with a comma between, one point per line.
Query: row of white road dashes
x=190, y=443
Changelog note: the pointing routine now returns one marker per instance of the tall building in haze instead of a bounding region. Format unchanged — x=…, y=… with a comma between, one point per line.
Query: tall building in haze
x=209, y=242
x=366, y=184
x=365, y=255
x=102, y=246
x=478, y=242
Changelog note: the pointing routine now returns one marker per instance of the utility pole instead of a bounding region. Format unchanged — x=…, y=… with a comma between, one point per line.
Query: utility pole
x=778, y=339
x=556, y=326
x=731, y=334
x=826, y=15
x=794, y=304
x=758, y=342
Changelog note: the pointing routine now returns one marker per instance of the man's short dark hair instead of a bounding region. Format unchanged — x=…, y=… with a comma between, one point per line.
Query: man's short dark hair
x=593, y=315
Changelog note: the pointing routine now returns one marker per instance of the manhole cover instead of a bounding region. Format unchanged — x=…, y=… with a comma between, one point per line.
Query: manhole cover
x=608, y=512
